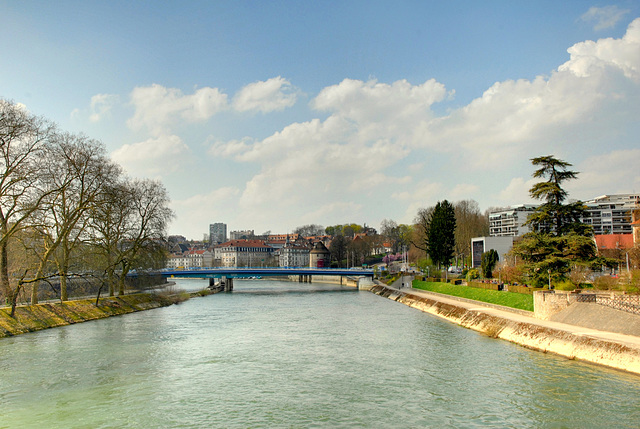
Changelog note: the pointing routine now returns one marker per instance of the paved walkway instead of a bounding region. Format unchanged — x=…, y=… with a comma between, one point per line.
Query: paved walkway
x=627, y=340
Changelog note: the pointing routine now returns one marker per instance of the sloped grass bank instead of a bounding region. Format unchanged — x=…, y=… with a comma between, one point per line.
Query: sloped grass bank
x=507, y=299
x=50, y=315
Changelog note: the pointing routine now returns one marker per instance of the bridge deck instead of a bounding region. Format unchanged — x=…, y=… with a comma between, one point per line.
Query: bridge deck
x=263, y=272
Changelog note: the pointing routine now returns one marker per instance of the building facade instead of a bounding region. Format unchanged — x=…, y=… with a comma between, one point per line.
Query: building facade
x=612, y=214
x=217, y=233
x=241, y=235
x=191, y=259
x=509, y=222
x=319, y=257
x=294, y=255
x=243, y=253
x=479, y=245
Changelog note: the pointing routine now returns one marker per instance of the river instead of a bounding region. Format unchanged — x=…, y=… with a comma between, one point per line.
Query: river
x=279, y=354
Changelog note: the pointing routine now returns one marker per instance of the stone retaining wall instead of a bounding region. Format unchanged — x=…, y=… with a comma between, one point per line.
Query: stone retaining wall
x=530, y=335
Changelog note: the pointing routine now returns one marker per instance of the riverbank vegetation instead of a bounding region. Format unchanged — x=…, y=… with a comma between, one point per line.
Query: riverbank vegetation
x=507, y=299
x=49, y=315
x=67, y=211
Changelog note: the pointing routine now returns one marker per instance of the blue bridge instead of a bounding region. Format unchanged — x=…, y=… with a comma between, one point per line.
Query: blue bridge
x=226, y=275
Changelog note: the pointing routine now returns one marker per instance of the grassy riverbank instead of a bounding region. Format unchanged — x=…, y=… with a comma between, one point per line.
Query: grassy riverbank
x=508, y=299
x=42, y=316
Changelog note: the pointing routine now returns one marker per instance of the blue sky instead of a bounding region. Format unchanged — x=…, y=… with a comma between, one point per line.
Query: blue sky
x=271, y=115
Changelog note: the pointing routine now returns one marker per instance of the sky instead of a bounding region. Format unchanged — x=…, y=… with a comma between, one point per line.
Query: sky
x=272, y=115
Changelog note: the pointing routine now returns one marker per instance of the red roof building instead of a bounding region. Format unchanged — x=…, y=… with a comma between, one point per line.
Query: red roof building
x=614, y=241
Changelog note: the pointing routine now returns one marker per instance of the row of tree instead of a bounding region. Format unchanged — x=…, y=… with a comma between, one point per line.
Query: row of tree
x=66, y=209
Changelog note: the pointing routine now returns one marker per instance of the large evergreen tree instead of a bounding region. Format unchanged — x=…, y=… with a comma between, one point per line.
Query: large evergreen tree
x=559, y=240
x=488, y=262
x=553, y=216
x=441, y=234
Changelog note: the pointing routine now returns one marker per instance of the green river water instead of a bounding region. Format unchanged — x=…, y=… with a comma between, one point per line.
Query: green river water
x=289, y=355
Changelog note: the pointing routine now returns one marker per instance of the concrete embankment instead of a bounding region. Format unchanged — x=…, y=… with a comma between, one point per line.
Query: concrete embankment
x=50, y=315
x=574, y=342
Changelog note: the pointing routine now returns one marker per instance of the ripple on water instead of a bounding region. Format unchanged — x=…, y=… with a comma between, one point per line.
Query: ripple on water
x=297, y=359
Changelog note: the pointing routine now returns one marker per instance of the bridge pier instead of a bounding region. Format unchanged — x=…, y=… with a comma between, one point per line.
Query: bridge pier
x=228, y=283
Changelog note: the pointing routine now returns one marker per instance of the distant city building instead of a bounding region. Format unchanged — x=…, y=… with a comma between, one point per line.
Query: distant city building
x=241, y=235
x=479, y=245
x=191, y=259
x=217, y=233
x=319, y=257
x=243, y=253
x=283, y=237
x=294, y=255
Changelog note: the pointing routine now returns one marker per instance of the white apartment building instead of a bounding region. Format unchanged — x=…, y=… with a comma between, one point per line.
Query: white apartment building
x=607, y=214
x=243, y=253
x=612, y=214
x=509, y=222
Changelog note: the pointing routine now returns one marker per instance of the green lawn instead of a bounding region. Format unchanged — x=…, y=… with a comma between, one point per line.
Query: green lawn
x=508, y=299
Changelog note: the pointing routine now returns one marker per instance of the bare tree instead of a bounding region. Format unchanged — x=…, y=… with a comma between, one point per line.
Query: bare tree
x=470, y=222
x=130, y=221
x=309, y=230
x=421, y=223
x=23, y=138
x=78, y=168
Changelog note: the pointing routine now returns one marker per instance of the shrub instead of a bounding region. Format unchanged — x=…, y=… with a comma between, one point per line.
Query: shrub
x=605, y=283
x=579, y=275
x=472, y=274
x=564, y=285
x=511, y=274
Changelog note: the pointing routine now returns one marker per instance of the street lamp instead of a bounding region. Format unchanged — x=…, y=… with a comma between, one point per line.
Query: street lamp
x=549, y=271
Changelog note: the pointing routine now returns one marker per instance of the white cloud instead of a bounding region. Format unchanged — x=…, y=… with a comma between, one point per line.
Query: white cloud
x=101, y=105
x=576, y=105
x=339, y=212
x=608, y=173
x=343, y=155
x=379, y=110
x=464, y=191
x=230, y=148
x=158, y=108
x=266, y=96
x=604, y=17
x=152, y=157
x=517, y=192
x=196, y=212
x=424, y=194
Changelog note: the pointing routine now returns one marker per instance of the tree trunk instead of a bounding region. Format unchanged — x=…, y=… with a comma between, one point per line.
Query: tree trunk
x=4, y=270
x=62, y=270
x=14, y=300
x=121, y=283
x=63, y=287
